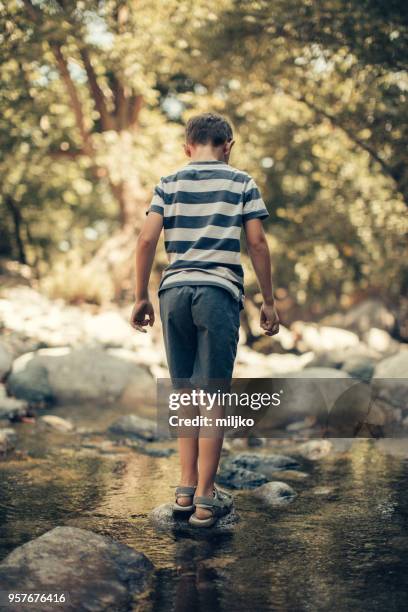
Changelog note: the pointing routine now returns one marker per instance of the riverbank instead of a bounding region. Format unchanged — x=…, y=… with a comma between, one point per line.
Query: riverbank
x=52, y=354
x=81, y=461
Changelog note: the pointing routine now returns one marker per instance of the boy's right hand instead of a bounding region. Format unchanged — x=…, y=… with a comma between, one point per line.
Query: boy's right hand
x=142, y=315
x=269, y=320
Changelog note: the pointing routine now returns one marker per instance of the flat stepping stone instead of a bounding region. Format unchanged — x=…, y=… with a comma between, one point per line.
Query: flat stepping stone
x=162, y=518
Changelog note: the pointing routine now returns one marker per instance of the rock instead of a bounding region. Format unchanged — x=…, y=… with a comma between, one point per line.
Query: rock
x=250, y=363
x=323, y=338
x=254, y=442
x=381, y=341
x=79, y=374
x=287, y=363
x=327, y=359
x=6, y=360
x=390, y=380
x=250, y=470
x=145, y=449
x=240, y=478
x=98, y=573
x=53, y=323
x=310, y=393
x=108, y=328
x=293, y=475
x=358, y=361
x=58, y=423
x=363, y=317
x=133, y=425
x=10, y=407
x=29, y=380
x=262, y=463
x=359, y=366
x=162, y=518
x=315, y=449
x=275, y=493
x=305, y=424
x=358, y=412
x=8, y=438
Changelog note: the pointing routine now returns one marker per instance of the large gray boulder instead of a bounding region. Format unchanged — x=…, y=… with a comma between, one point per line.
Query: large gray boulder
x=390, y=380
x=96, y=572
x=309, y=392
x=80, y=374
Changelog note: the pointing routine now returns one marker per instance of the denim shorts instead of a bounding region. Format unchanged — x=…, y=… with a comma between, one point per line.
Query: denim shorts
x=201, y=330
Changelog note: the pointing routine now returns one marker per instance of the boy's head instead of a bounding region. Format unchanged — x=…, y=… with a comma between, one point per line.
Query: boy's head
x=208, y=134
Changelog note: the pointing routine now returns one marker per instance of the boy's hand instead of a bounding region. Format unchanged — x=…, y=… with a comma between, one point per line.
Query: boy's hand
x=269, y=319
x=142, y=315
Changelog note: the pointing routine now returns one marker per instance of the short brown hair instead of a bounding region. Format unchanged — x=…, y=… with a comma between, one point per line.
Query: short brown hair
x=208, y=127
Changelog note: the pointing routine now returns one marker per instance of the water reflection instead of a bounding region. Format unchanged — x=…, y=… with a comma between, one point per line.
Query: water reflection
x=342, y=544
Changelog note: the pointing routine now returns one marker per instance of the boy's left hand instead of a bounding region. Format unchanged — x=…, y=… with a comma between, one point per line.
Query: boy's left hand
x=142, y=315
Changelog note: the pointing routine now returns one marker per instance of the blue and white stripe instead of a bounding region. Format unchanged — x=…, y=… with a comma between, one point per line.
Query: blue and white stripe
x=204, y=206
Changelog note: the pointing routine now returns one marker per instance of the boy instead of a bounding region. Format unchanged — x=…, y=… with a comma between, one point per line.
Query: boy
x=202, y=208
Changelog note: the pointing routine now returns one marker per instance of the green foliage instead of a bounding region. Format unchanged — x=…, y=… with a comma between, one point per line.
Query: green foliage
x=92, y=100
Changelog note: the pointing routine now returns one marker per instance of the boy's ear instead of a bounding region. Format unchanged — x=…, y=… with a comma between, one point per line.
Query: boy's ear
x=227, y=149
x=187, y=149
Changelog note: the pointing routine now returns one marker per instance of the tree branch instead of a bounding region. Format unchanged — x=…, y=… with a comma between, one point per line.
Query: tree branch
x=136, y=103
x=76, y=105
x=73, y=95
x=121, y=104
x=96, y=92
x=349, y=132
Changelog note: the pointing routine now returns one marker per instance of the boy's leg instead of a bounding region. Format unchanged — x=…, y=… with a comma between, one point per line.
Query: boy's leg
x=209, y=452
x=216, y=316
x=181, y=345
x=188, y=452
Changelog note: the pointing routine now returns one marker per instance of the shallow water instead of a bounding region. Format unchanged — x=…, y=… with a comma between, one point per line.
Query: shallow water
x=342, y=544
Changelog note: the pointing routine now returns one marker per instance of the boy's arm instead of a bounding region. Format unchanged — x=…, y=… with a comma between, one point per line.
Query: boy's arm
x=259, y=253
x=143, y=313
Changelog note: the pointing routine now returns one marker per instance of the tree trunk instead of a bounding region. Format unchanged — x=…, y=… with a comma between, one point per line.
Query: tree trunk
x=17, y=222
x=116, y=257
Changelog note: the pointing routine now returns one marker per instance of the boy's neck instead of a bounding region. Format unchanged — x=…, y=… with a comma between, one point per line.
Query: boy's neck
x=206, y=153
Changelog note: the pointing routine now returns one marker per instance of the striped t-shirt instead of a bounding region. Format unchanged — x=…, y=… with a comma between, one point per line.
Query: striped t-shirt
x=204, y=206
